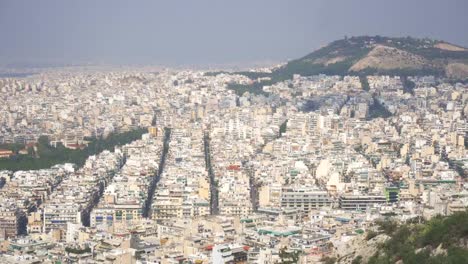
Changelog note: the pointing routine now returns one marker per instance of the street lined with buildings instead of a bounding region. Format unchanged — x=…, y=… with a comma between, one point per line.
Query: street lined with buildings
x=222, y=177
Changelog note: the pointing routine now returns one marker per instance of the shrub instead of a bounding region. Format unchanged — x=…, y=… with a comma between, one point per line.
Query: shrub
x=371, y=234
x=357, y=260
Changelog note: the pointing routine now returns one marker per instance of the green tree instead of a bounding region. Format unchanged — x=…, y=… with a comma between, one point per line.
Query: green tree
x=289, y=256
x=364, y=82
x=283, y=128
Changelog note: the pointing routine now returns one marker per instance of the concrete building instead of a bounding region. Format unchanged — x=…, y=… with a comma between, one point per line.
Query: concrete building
x=360, y=202
x=304, y=198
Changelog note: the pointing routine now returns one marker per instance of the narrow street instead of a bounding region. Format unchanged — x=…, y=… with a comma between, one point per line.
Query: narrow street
x=214, y=205
x=157, y=176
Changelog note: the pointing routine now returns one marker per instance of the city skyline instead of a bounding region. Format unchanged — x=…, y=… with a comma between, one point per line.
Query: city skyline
x=208, y=33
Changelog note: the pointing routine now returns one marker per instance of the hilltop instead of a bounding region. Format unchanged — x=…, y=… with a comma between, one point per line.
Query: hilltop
x=373, y=55
x=383, y=55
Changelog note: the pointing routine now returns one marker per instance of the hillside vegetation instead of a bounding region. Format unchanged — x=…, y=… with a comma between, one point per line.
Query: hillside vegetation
x=366, y=55
x=381, y=55
x=439, y=240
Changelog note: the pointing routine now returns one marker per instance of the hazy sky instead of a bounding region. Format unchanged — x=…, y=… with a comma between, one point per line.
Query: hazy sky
x=202, y=32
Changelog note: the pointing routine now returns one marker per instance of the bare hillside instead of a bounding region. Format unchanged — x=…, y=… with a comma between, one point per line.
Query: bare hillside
x=387, y=58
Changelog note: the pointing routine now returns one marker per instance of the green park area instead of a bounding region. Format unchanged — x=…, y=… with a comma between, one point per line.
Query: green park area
x=44, y=155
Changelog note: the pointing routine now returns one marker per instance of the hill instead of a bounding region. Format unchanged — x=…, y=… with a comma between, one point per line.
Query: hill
x=382, y=55
x=373, y=55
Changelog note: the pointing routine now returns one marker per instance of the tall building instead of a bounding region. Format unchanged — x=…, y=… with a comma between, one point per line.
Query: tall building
x=153, y=131
x=360, y=202
x=12, y=223
x=57, y=216
x=304, y=198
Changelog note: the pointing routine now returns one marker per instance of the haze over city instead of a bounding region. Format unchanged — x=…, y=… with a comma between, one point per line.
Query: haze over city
x=204, y=33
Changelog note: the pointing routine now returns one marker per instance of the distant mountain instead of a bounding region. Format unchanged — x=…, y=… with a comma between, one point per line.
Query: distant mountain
x=367, y=55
